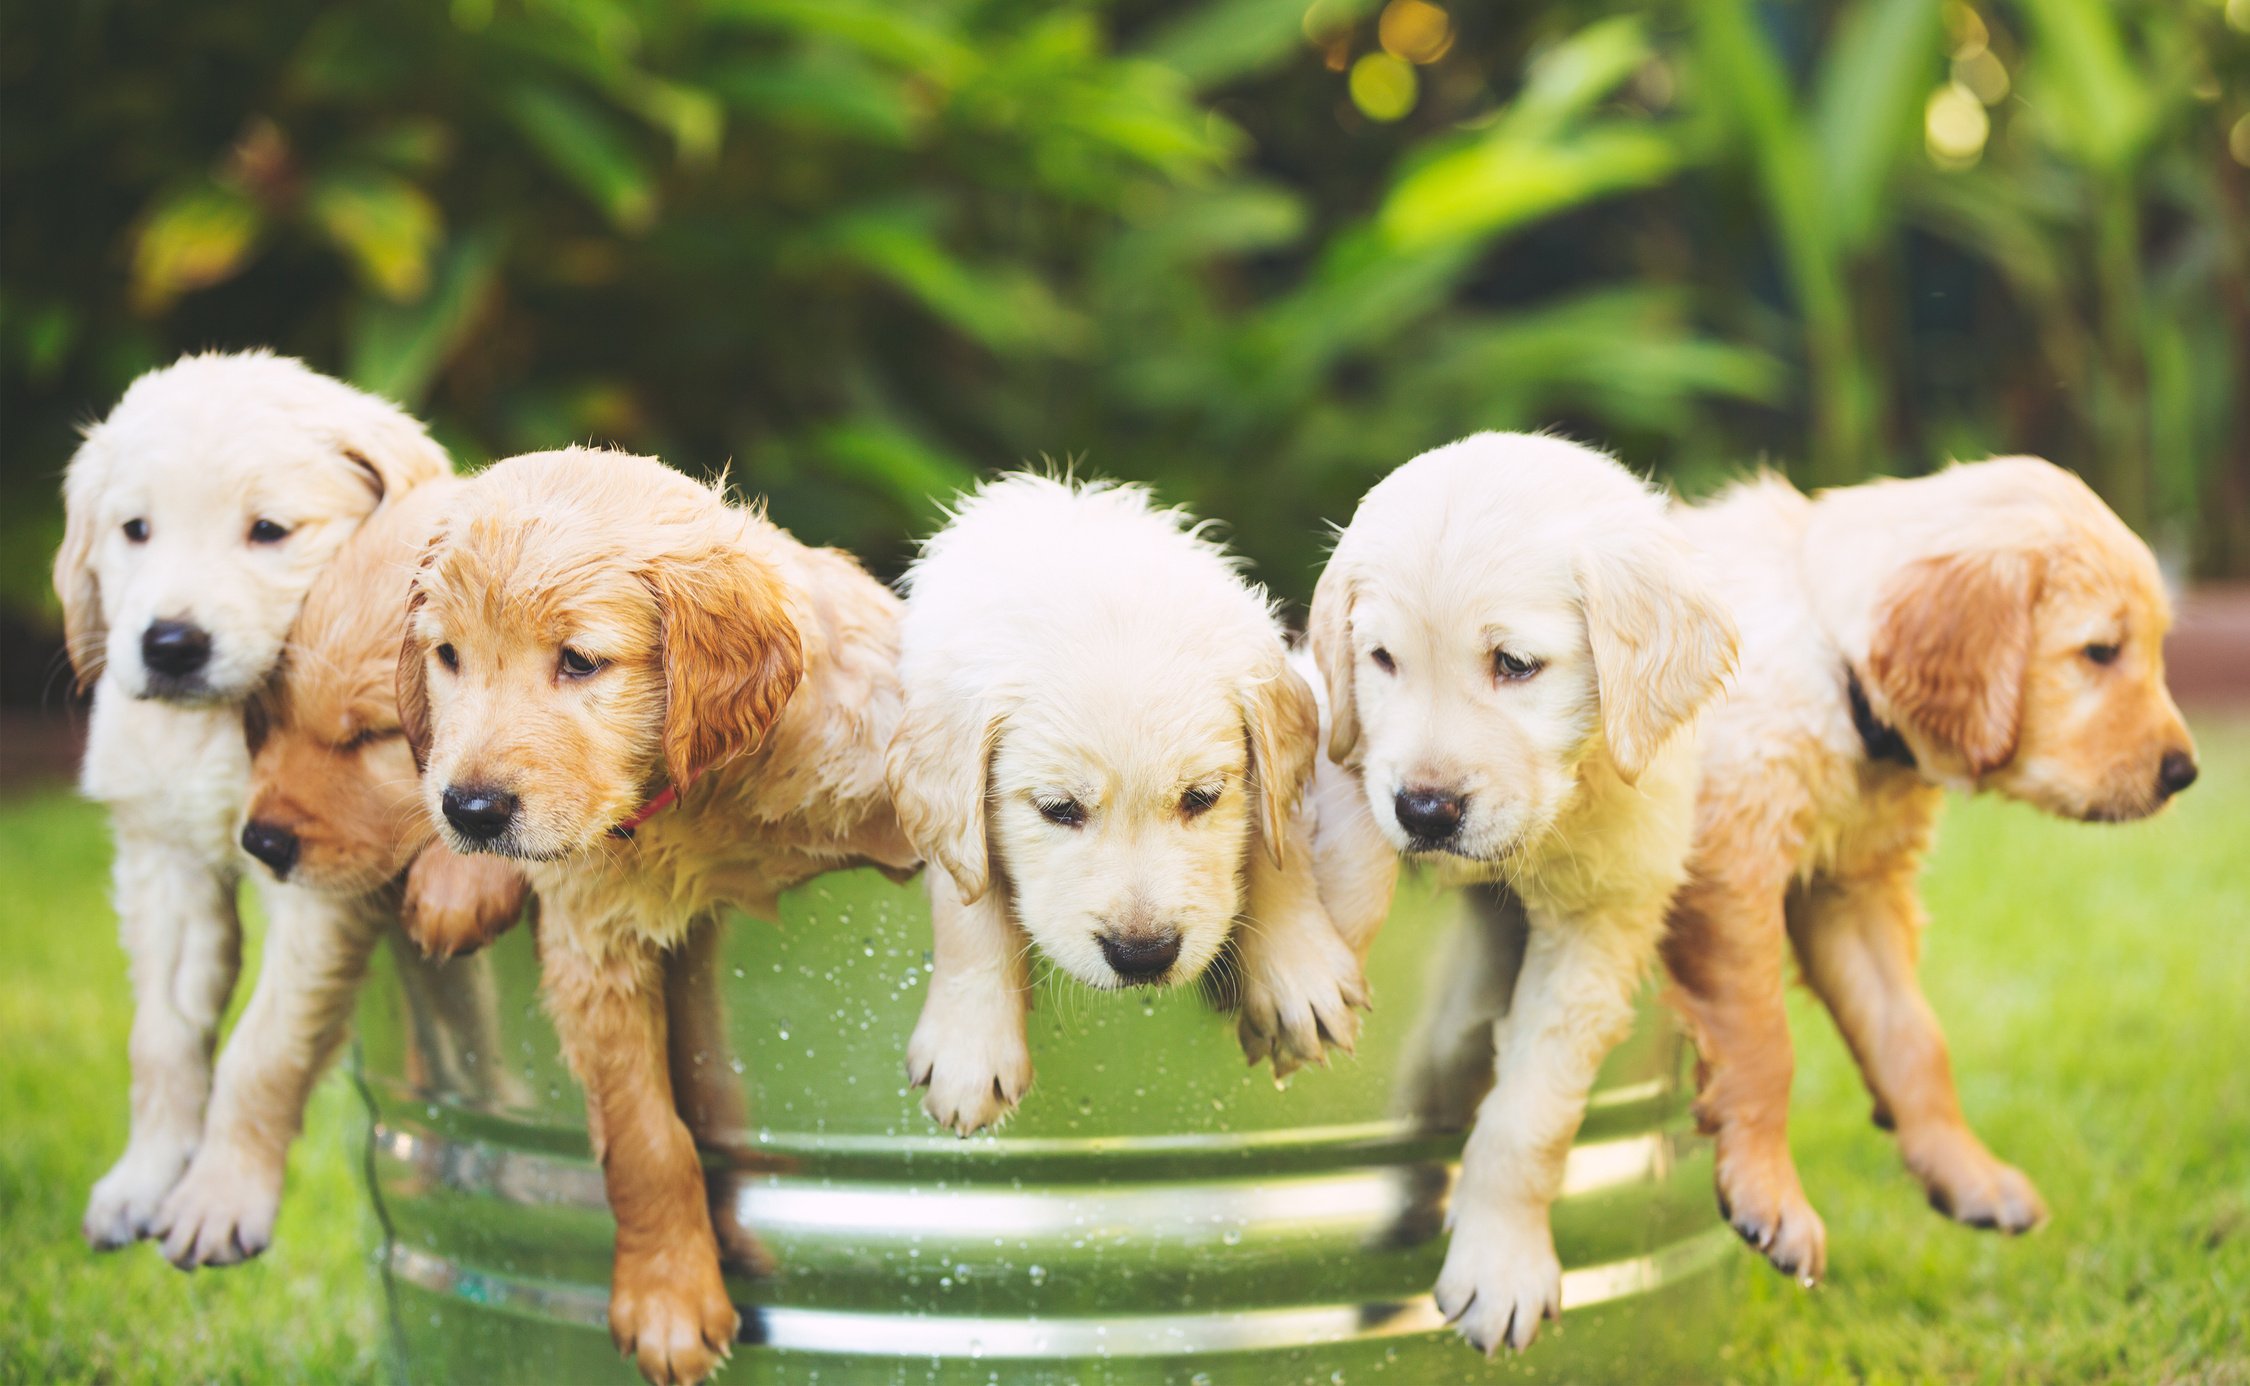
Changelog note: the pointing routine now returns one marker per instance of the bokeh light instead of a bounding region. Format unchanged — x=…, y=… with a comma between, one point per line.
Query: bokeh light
x=1414, y=30
x=1955, y=127
x=1383, y=86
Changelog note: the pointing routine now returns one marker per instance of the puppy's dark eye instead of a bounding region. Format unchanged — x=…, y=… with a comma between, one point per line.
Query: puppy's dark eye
x=1383, y=660
x=1067, y=813
x=137, y=531
x=268, y=532
x=1198, y=801
x=1513, y=668
x=447, y=656
x=578, y=665
x=2101, y=653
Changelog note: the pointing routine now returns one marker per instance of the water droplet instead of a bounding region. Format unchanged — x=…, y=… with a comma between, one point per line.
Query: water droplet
x=1038, y=1275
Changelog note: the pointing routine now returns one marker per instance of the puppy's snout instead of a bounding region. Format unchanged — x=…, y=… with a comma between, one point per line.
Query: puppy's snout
x=477, y=812
x=1429, y=815
x=272, y=844
x=2175, y=774
x=175, y=648
x=1142, y=955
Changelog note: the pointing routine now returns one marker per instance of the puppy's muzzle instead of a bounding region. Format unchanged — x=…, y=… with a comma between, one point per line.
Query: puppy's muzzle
x=1141, y=956
x=175, y=651
x=272, y=844
x=1431, y=817
x=477, y=812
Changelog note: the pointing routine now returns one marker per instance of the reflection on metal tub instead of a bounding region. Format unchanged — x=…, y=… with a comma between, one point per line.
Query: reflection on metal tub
x=1157, y=1211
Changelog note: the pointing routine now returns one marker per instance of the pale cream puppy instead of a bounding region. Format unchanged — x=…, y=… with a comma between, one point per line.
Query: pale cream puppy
x=2002, y=630
x=197, y=515
x=1103, y=749
x=1516, y=642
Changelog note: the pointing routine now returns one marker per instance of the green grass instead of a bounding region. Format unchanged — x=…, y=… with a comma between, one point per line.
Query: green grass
x=2095, y=983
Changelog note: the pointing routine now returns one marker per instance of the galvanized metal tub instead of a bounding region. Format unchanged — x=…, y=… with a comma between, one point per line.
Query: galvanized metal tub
x=1156, y=1211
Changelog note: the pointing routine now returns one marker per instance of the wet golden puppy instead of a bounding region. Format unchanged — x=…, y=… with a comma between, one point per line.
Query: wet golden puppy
x=1103, y=749
x=334, y=816
x=661, y=707
x=1990, y=627
x=1516, y=643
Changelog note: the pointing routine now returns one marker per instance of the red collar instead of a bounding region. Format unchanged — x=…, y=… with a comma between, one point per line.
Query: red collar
x=647, y=811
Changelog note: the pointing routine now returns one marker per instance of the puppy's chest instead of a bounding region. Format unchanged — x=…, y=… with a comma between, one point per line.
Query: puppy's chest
x=1877, y=817
x=175, y=773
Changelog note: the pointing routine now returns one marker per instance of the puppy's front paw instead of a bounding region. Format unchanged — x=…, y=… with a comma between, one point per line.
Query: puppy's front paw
x=1760, y=1198
x=1299, y=1000
x=671, y=1315
x=974, y=1062
x=1501, y=1277
x=221, y=1211
x=1968, y=1184
x=123, y=1205
x=456, y=904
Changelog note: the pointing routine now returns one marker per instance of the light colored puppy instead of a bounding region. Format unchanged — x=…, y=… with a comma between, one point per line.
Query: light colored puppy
x=334, y=815
x=1990, y=627
x=1104, y=749
x=660, y=706
x=197, y=514
x=1516, y=642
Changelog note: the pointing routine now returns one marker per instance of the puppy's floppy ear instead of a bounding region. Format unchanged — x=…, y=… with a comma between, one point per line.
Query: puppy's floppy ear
x=1951, y=646
x=84, y=628
x=1662, y=641
x=391, y=452
x=1283, y=723
x=1329, y=629
x=937, y=768
x=732, y=656
x=414, y=679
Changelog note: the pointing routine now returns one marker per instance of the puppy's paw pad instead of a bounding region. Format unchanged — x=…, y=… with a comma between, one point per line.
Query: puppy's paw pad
x=1497, y=1286
x=1297, y=1005
x=1989, y=1194
x=1776, y=1219
x=976, y=1073
x=221, y=1212
x=123, y=1206
x=677, y=1328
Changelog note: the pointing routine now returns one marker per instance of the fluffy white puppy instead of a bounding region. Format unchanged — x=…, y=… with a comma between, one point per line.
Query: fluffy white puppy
x=1103, y=748
x=1516, y=642
x=197, y=514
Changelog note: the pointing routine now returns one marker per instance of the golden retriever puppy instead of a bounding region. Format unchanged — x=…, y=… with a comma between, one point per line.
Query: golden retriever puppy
x=660, y=706
x=1516, y=642
x=335, y=816
x=1104, y=749
x=197, y=515
x=1990, y=627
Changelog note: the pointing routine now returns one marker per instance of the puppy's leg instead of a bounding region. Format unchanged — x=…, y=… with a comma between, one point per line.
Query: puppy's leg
x=969, y=1046
x=1726, y=953
x=176, y=916
x=668, y=1306
x=456, y=904
x=710, y=1095
x=1573, y=1004
x=1301, y=980
x=222, y=1210
x=1355, y=864
x=1858, y=941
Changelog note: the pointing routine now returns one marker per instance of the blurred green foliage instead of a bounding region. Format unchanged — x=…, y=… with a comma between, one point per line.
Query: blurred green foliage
x=862, y=250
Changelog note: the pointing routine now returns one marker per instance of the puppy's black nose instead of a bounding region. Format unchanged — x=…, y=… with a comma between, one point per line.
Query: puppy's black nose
x=1428, y=815
x=480, y=814
x=177, y=648
x=2175, y=774
x=1142, y=957
x=272, y=844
